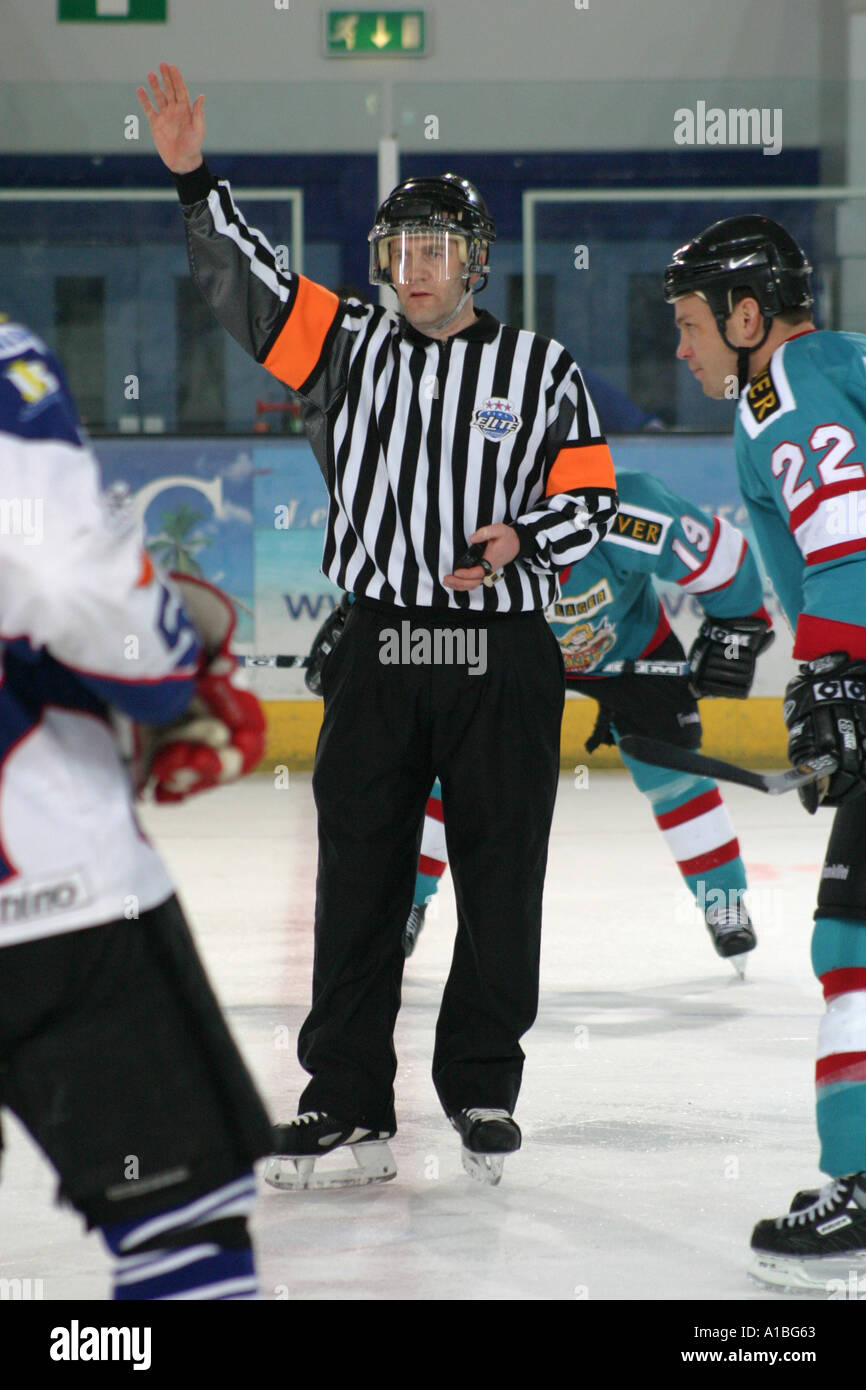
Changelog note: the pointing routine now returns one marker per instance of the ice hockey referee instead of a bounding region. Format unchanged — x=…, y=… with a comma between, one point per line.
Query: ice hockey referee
x=435, y=428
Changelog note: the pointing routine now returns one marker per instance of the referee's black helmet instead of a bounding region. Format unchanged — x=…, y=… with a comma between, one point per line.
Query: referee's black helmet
x=445, y=203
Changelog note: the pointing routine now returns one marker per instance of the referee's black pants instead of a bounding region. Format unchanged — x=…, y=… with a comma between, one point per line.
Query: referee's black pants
x=493, y=740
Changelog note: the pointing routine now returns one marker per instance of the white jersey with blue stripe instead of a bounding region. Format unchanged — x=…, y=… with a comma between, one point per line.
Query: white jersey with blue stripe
x=86, y=625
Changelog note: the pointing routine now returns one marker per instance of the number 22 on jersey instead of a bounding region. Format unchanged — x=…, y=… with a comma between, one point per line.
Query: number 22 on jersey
x=788, y=459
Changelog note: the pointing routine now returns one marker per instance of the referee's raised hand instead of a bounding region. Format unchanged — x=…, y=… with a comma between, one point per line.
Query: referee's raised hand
x=177, y=127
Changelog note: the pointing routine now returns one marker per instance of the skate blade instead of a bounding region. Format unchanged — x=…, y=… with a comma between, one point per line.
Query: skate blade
x=739, y=963
x=373, y=1163
x=486, y=1168
x=834, y=1277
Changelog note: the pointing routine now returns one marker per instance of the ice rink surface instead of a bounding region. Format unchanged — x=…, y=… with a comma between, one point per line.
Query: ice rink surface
x=666, y=1106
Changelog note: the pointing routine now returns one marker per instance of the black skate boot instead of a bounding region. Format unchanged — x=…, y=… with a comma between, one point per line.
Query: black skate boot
x=817, y=1244
x=309, y=1137
x=732, y=932
x=807, y=1197
x=412, y=929
x=488, y=1135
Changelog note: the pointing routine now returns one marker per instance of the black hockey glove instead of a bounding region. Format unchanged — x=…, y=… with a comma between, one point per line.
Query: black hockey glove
x=724, y=653
x=825, y=711
x=324, y=643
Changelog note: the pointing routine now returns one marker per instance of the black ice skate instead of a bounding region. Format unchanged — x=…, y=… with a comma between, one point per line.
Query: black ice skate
x=818, y=1244
x=307, y=1139
x=488, y=1135
x=733, y=934
x=808, y=1196
x=412, y=929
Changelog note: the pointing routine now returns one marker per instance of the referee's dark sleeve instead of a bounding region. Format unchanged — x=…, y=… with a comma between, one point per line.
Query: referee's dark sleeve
x=285, y=321
x=580, y=502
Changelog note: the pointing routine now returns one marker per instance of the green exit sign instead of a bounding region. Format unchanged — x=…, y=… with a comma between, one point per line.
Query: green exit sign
x=374, y=34
x=112, y=11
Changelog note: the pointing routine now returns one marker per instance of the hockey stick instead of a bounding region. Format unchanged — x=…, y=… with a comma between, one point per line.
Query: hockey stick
x=650, y=750
x=283, y=662
x=616, y=668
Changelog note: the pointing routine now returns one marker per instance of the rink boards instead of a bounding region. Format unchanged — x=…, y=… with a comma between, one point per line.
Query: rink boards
x=249, y=515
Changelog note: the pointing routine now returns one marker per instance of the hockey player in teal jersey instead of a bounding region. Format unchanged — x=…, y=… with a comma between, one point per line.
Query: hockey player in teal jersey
x=742, y=298
x=609, y=610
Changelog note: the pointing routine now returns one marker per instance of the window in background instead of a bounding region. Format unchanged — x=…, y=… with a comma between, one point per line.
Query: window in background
x=201, y=369
x=652, y=342
x=79, y=319
x=545, y=308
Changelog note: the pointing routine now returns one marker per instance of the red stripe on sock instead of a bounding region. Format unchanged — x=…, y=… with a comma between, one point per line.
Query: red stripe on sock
x=701, y=862
x=840, y=1066
x=434, y=867
x=843, y=981
x=434, y=809
x=696, y=807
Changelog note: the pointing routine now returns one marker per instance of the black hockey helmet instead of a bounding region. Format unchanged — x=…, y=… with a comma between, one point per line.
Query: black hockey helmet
x=751, y=253
x=445, y=204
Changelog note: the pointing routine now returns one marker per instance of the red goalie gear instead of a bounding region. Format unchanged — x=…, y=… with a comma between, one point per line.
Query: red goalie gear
x=221, y=737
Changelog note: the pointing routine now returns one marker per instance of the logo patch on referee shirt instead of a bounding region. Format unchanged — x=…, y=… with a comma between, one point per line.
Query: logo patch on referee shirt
x=496, y=418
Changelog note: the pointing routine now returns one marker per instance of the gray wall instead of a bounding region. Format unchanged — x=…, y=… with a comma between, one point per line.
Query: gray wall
x=501, y=76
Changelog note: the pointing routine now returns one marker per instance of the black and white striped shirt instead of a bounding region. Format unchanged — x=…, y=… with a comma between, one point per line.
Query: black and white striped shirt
x=421, y=441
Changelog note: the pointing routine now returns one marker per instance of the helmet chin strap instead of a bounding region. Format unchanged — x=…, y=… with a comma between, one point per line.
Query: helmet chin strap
x=744, y=354
x=451, y=317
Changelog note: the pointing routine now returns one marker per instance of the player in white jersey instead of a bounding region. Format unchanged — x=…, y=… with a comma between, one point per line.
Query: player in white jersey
x=743, y=301
x=113, y=1051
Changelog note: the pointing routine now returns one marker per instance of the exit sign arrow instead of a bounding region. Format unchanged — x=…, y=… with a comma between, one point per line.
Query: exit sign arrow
x=380, y=35
x=375, y=33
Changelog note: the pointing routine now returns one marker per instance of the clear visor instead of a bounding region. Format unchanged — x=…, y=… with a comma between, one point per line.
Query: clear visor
x=420, y=254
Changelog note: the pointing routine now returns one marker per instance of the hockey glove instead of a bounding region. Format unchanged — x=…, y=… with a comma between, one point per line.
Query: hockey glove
x=324, y=643
x=825, y=711
x=724, y=653
x=221, y=735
